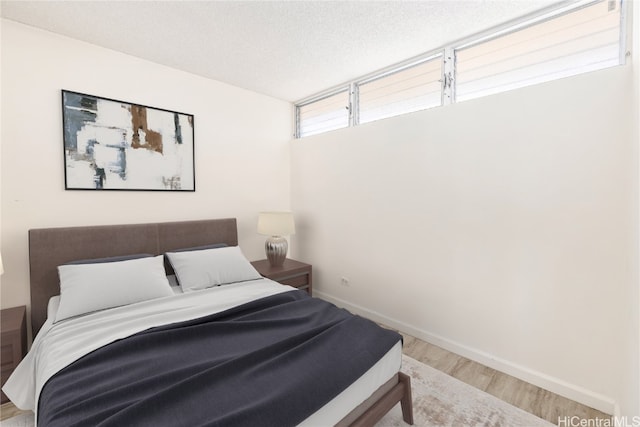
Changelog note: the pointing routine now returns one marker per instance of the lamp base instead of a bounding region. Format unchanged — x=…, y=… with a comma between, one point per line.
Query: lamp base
x=276, y=249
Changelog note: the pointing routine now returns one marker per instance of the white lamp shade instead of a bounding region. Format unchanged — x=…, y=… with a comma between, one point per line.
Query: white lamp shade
x=276, y=223
x=1, y=266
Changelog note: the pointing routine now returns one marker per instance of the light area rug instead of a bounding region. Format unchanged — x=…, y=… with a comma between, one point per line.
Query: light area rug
x=438, y=400
x=441, y=400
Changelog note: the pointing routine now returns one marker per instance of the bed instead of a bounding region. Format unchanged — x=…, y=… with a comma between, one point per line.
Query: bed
x=360, y=396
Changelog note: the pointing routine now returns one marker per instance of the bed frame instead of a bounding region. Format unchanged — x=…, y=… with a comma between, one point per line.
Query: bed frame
x=51, y=247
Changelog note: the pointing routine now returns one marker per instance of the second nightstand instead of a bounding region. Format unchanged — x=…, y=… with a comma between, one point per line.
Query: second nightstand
x=292, y=273
x=14, y=341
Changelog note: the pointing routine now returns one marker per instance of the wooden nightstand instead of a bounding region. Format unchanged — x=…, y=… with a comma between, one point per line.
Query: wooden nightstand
x=13, y=341
x=292, y=273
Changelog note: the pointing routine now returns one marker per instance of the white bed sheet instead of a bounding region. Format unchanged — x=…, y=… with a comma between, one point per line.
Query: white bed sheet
x=57, y=346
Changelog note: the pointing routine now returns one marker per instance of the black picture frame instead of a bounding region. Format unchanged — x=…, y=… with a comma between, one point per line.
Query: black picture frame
x=117, y=145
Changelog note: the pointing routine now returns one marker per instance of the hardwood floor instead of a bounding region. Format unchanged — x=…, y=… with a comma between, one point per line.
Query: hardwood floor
x=7, y=410
x=539, y=402
x=525, y=396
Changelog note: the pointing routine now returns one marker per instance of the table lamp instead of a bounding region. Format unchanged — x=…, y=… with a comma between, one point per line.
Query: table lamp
x=276, y=225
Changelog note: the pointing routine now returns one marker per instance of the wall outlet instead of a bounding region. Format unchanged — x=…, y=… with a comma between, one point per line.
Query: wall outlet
x=344, y=281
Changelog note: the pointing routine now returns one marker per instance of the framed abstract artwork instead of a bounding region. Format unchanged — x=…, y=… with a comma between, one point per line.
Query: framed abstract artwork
x=116, y=145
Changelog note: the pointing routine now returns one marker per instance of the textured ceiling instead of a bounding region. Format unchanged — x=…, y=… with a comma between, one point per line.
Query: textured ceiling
x=285, y=49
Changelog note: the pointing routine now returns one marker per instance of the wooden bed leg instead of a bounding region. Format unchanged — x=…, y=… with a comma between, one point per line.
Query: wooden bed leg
x=406, y=403
x=369, y=412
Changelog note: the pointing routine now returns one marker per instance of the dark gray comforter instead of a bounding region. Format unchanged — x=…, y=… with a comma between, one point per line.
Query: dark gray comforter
x=271, y=362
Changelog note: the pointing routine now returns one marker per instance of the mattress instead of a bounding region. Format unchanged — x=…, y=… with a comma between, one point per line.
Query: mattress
x=56, y=346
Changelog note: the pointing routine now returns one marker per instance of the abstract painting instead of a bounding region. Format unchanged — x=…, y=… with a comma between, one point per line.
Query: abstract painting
x=116, y=145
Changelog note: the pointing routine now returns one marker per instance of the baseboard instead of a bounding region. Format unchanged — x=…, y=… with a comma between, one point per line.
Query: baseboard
x=547, y=382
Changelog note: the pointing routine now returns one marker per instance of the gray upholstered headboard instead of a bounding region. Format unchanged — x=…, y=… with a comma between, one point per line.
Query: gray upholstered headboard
x=51, y=247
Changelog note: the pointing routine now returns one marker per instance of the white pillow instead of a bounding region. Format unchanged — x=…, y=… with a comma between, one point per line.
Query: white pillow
x=85, y=288
x=211, y=267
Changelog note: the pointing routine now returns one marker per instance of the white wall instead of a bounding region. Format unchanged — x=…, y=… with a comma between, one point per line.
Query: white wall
x=499, y=228
x=633, y=394
x=241, y=145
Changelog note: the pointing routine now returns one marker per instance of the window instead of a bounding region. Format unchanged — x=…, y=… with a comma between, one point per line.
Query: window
x=583, y=40
x=324, y=114
x=409, y=89
x=576, y=38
